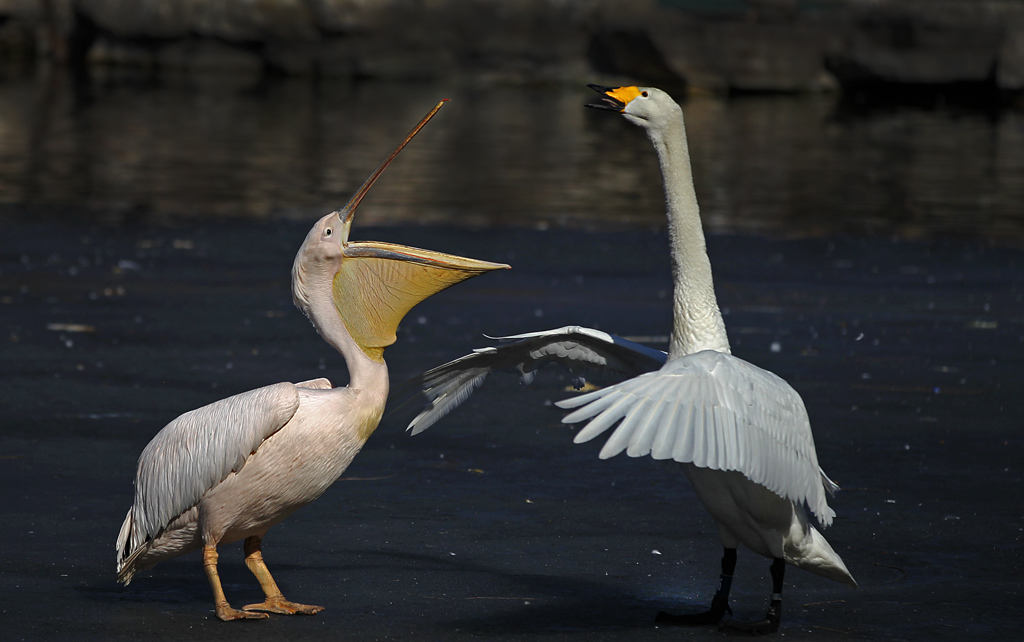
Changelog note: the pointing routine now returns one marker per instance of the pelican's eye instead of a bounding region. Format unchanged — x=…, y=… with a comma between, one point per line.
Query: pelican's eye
x=644, y=94
x=328, y=232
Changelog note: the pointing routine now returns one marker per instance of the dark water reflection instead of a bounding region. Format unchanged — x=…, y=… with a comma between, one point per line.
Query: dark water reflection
x=183, y=149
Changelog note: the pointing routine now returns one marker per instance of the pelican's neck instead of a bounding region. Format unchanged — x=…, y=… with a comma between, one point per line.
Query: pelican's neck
x=365, y=374
x=698, y=323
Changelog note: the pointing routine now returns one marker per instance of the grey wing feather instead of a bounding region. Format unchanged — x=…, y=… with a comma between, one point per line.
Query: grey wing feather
x=199, y=449
x=448, y=385
x=449, y=395
x=715, y=411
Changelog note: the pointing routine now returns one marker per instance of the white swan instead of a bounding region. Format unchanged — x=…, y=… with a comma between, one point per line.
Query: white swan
x=739, y=433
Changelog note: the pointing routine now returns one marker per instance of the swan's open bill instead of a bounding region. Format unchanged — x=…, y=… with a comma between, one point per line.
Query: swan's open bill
x=231, y=470
x=738, y=432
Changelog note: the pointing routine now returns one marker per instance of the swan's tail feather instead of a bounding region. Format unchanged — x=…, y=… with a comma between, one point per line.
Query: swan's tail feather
x=818, y=557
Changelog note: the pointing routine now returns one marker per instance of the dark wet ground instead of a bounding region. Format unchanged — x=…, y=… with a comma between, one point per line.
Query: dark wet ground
x=493, y=525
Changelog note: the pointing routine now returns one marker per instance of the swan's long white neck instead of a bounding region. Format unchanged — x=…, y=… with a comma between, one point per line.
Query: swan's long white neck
x=365, y=374
x=698, y=323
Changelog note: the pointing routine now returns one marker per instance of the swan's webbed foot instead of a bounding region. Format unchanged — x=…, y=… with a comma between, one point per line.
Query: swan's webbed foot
x=770, y=623
x=714, y=615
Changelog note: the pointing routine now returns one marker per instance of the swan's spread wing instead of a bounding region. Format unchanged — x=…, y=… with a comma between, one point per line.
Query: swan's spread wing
x=715, y=411
x=447, y=386
x=199, y=449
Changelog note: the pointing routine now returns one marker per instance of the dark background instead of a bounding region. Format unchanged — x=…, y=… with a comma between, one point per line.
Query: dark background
x=866, y=244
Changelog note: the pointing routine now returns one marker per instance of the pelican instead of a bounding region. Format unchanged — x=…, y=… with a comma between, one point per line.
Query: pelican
x=231, y=470
x=739, y=433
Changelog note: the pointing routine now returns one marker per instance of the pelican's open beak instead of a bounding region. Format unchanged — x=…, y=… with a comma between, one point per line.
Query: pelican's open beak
x=613, y=98
x=349, y=210
x=378, y=283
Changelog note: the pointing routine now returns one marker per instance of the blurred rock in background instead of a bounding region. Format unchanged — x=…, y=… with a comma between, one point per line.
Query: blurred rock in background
x=717, y=45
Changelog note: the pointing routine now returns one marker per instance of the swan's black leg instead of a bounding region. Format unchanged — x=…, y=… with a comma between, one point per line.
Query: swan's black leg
x=719, y=604
x=770, y=623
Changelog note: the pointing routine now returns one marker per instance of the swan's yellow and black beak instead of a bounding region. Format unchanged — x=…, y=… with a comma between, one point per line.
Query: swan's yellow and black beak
x=614, y=98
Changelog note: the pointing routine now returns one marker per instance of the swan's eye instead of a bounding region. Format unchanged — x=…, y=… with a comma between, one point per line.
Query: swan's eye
x=644, y=94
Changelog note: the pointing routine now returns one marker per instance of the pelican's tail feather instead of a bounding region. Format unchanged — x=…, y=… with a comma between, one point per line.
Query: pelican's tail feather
x=125, y=555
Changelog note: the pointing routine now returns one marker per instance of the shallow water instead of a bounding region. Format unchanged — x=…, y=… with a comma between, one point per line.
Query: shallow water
x=148, y=237
x=176, y=149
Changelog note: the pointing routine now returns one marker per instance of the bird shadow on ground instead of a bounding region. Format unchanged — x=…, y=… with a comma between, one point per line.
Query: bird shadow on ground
x=538, y=603
x=464, y=596
x=181, y=581
x=173, y=590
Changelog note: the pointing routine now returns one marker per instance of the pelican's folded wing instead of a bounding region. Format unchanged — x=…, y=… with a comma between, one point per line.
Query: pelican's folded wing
x=320, y=383
x=199, y=449
x=715, y=411
x=447, y=386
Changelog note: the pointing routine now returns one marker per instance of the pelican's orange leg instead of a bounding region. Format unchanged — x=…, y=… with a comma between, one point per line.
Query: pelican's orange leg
x=275, y=602
x=224, y=610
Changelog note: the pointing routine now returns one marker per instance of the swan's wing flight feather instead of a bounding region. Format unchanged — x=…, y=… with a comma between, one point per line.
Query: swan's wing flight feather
x=715, y=411
x=199, y=449
x=448, y=394
x=573, y=347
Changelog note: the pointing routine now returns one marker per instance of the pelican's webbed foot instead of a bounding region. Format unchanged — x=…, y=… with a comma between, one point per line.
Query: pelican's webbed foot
x=227, y=614
x=282, y=606
x=714, y=615
x=275, y=602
